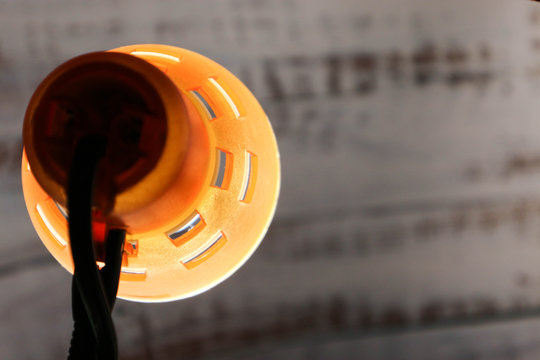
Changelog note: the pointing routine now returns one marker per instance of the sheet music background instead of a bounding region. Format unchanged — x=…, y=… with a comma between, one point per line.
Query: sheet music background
x=408, y=225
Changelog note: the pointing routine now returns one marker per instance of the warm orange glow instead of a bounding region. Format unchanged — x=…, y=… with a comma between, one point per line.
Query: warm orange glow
x=196, y=211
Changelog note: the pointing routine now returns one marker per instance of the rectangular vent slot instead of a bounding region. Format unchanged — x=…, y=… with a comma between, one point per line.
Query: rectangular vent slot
x=61, y=241
x=131, y=247
x=187, y=230
x=250, y=177
x=156, y=55
x=132, y=274
x=225, y=96
x=62, y=210
x=208, y=109
x=133, y=271
x=223, y=170
x=127, y=273
x=206, y=251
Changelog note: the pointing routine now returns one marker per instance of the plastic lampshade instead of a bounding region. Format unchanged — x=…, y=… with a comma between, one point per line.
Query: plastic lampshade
x=192, y=170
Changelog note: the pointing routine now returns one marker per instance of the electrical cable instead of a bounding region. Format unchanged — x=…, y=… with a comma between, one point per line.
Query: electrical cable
x=93, y=291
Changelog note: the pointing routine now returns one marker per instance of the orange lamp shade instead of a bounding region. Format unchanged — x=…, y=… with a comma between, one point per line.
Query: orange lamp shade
x=191, y=169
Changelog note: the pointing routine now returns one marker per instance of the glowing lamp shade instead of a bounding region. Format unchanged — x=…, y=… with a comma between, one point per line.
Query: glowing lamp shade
x=191, y=171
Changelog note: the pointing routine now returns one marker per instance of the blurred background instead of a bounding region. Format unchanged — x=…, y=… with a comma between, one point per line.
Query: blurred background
x=408, y=225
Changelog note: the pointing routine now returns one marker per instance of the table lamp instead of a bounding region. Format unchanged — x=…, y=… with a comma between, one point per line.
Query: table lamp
x=157, y=166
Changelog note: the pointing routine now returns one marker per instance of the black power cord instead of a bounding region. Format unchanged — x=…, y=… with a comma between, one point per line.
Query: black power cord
x=93, y=290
